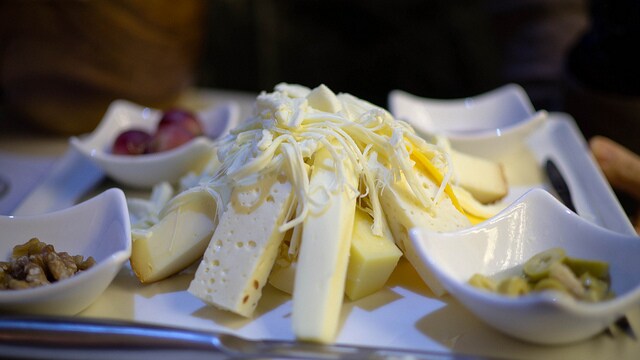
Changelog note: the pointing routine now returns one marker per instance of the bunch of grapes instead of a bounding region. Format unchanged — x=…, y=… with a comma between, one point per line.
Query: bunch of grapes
x=176, y=127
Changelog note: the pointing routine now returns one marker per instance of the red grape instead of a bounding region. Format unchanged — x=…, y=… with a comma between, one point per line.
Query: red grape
x=176, y=127
x=132, y=142
x=170, y=136
x=181, y=118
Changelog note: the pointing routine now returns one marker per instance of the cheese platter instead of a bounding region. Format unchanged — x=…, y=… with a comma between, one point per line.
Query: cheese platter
x=405, y=313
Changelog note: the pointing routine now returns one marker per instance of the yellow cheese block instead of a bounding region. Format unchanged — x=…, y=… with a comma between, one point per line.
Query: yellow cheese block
x=324, y=252
x=242, y=251
x=177, y=240
x=372, y=258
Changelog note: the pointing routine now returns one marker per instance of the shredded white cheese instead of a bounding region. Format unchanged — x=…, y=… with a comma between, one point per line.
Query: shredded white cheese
x=290, y=124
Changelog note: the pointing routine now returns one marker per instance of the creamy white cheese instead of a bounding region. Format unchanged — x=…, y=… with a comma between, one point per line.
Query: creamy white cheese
x=177, y=239
x=404, y=212
x=244, y=246
x=324, y=252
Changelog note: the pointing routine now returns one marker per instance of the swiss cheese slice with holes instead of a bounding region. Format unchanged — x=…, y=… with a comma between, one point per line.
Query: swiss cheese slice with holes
x=243, y=248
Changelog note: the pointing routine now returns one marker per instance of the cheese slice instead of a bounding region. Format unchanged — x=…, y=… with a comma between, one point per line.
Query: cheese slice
x=473, y=208
x=282, y=277
x=372, y=258
x=324, y=252
x=177, y=240
x=484, y=179
x=403, y=212
x=241, y=253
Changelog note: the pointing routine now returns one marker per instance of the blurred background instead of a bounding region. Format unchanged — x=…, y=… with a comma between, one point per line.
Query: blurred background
x=63, y=62
x=441, y=49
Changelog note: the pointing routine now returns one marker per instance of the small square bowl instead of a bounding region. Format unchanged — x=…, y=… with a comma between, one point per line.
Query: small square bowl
x=534, y=223
x=98, y=227
x=146, y=170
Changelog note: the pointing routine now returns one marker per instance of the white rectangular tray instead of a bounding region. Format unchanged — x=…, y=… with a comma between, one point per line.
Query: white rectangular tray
x=405, y=314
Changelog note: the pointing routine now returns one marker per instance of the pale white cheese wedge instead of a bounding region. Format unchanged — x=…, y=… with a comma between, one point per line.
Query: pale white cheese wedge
x=403, y=212
x=282, y=277
x=177, y=240
x=372, y=258
x=484, y=179
x=324, y=252
x=237, y=262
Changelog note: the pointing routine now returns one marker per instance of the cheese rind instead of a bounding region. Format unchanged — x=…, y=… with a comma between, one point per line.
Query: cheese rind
x=237, y=262
x=372, y=258
x=177, y=240
x=324, y=253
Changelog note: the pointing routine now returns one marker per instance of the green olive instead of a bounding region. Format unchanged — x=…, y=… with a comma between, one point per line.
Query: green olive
x=596, y=268
x=514, y=286
x=596, y=289
x=562, y=273
x=483, y=282
x=549, y=284
x=552, y=270
x=538, y=266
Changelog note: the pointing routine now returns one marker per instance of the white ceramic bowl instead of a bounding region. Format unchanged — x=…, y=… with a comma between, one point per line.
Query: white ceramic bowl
x=494, y=121
x=534, y=223
x=98, y=227
x=144, y=171
x=497, y=109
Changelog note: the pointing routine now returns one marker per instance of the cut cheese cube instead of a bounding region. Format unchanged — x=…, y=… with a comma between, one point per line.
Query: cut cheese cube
x=323, y=99
x=244, y=246
x=484, y=179
x=177, y=240
x=324, y=252
x=372, y=258
x=403, y=212
x=284, y=270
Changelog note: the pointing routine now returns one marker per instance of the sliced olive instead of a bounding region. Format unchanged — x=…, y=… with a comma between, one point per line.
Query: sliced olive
x=595, y=288
x=549, y=284
x=562, y=273
x=538, y=266
x=483, y=282
x=514, y=286
x=597, y=268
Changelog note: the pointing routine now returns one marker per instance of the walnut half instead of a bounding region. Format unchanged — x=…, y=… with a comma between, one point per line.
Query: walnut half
x=36, y=263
